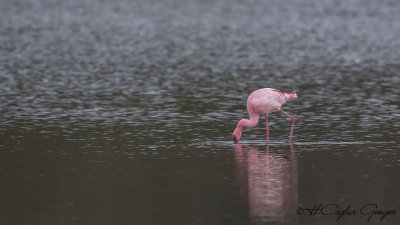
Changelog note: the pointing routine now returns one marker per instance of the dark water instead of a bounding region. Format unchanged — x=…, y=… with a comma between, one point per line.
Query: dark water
x=121, y=112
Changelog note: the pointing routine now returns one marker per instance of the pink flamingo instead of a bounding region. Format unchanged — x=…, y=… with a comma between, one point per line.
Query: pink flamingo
x=263, y=102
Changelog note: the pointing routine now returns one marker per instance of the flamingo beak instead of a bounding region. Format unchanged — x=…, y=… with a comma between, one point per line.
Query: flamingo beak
x=235, y=140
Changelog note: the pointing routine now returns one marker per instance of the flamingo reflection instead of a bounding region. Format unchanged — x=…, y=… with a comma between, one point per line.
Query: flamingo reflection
x=270, y=180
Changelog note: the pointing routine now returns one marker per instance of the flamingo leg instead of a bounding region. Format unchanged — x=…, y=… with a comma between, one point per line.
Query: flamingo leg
x=293, y=121
x=267, y=132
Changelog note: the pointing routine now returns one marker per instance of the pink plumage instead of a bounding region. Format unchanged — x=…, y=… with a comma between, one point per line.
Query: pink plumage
x=262, y=102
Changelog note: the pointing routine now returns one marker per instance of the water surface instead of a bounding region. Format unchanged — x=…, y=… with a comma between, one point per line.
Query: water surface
x=121, y=112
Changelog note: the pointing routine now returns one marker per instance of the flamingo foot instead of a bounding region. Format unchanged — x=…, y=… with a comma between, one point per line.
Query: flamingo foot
x=235, y=140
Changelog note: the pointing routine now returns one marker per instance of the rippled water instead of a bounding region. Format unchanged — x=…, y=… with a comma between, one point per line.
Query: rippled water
x=121, y=112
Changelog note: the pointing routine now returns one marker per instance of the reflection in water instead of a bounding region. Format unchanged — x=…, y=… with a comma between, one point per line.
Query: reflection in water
x=270, y=180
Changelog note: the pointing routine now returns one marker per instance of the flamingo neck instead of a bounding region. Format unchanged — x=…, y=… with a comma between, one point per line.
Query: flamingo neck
x=248, y=123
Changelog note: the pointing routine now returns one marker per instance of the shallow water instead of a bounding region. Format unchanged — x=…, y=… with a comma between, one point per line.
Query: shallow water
x=122, y=112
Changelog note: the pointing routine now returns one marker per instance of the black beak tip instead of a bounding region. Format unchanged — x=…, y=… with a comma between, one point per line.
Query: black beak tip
x=235, y=140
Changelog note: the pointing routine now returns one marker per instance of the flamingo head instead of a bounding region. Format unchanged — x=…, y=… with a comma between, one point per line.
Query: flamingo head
x=236, y=136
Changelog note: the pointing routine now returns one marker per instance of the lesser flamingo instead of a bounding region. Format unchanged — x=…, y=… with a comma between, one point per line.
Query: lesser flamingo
x=263, y=102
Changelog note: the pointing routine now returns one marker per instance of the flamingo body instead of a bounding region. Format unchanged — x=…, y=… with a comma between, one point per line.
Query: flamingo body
x=263, y=102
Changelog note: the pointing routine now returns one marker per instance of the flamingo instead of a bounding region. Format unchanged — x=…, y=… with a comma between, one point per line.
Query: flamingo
x=262, y=102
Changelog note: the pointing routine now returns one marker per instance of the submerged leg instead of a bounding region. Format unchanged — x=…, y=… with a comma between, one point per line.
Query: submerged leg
x=267, y=132
x=293, y=121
